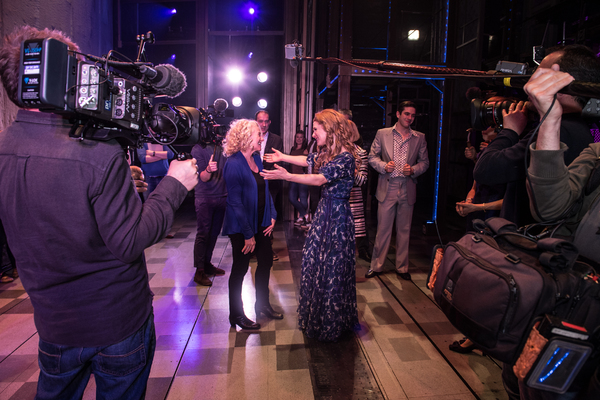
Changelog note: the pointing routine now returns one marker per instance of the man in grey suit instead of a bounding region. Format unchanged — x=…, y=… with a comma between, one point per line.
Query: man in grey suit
x=399, y=154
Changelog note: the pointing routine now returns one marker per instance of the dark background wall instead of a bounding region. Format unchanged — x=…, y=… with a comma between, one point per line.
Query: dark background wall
x=208, y=35
x=88, y=22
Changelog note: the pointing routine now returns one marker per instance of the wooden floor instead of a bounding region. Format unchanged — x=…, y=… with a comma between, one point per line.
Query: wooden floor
x=399, y=352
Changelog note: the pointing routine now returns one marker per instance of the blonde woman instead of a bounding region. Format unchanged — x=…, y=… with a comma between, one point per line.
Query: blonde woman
x=249, y=220
x=327, y=307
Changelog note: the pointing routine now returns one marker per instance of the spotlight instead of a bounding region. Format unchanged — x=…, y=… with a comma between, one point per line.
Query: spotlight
x=262, y=77
x=250, y=10
x=234, y=75
x=174, y=11
x=413, y=34
x=173, y=56
x=236, y=101
x=250, y=55
x=262, y=103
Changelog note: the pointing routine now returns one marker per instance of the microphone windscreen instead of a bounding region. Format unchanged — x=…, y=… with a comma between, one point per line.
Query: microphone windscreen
x=172, y=82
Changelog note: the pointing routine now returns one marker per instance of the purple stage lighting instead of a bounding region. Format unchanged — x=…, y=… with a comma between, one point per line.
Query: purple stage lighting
x=174, y=11
x=250, y=10
x=173, y=56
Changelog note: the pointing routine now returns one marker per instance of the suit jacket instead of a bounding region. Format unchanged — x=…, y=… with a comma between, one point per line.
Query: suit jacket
x=273, y=142
x=382, y=152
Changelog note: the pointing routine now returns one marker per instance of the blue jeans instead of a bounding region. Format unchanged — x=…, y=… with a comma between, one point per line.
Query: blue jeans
x=121, y=370
x=299, y=197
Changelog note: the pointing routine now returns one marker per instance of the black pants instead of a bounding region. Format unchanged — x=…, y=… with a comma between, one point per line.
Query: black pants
x=241, y=261
x=210, y=213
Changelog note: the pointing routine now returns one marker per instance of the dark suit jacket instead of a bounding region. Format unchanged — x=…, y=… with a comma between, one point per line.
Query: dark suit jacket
x=273, y=142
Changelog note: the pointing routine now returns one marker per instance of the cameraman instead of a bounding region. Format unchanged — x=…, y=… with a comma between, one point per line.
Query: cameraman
x=78, y=231
x=507, y=152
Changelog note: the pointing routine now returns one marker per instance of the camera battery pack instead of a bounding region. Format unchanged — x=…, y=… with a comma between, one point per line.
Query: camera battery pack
x=562, y=358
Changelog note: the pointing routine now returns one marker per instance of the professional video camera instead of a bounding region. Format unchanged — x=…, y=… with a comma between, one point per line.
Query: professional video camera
x=486, y=113
x=112, y=99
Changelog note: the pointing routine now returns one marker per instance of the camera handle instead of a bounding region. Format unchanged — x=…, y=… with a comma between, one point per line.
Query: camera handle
x=180, y=156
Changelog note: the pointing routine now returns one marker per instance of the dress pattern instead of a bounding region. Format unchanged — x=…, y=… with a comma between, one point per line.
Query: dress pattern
x=327, y=306
x=356, y=196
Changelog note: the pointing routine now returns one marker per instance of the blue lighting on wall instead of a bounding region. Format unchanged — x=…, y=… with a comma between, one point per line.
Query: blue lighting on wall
x=438, y=150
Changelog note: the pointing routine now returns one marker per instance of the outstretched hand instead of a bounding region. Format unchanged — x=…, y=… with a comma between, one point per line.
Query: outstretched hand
x=274, y=174
x=274, y=157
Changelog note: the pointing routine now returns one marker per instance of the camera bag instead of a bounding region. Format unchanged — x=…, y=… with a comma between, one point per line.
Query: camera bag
x=493, y=283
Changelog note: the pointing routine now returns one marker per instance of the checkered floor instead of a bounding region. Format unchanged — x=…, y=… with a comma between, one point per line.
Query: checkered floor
x=399, y=352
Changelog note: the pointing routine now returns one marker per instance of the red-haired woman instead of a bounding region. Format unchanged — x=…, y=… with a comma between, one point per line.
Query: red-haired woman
x=327, y=307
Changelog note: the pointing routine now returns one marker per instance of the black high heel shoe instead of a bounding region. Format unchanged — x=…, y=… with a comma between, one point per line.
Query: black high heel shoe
x=459, y=348
x=243, y=322
x=268, y=312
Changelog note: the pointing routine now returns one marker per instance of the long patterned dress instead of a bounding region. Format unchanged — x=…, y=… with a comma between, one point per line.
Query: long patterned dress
x=327, y=305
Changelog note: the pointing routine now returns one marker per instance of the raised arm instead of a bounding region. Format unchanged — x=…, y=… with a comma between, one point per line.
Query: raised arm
x=282, y=174
x=278, y=156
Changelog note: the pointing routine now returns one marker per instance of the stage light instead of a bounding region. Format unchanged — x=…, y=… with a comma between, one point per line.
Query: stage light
x=262, y=103
x=413, y=34
x=234, y=75
x=250, y=55
x=236, y=101
x=174, y=11
x=173, y=56
x=250, y=11
x=262, y=77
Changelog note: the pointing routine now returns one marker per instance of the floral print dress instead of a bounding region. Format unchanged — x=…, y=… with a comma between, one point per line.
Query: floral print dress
x=327, y=305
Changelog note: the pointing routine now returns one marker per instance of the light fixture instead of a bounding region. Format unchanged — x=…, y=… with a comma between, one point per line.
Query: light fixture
x=262, y=103
x=174, y=11
x=262, y=77
x=413, y=34
x=234, y=75
x=236, y=101
x=250, y=10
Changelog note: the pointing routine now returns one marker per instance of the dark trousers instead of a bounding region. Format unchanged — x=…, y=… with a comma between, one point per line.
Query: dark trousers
x=241, y=261
x=210, y=213
x=362, y=243
x=298, y=195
